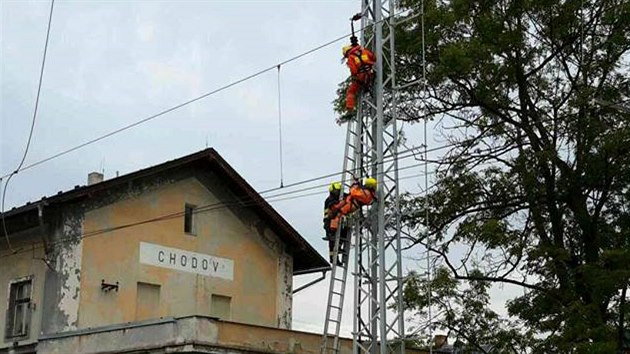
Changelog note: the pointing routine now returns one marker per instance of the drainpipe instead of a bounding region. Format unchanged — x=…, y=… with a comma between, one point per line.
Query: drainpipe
x=312, y=282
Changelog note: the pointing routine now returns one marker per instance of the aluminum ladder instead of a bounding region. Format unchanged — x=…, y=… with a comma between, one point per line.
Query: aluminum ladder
x=339, y=273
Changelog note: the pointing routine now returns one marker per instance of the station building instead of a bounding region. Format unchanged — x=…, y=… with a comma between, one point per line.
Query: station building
x=183, y=257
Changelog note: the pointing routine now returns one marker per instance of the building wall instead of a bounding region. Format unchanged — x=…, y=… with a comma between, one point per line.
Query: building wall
x=25, y=263
x=61, y=290
x=194, y=334
x=260, y=287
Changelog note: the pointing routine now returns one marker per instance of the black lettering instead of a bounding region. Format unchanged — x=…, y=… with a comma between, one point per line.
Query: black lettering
x=204, y=264
x=215, y=265
x=161, y=256
x=172, y=258
x=193, y=262
x=183, y=260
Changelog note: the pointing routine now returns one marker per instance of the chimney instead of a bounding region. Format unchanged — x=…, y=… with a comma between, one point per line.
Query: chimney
x=94, y=177
x=440, y=340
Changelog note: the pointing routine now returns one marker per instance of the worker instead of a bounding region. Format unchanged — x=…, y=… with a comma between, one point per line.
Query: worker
x=360, y=194
x=332, y=203
x=334, y=190
x=361, y=62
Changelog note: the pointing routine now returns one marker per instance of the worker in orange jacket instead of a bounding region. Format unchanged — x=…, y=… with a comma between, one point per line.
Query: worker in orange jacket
x=360, y=195
x=333, y=202
x=361, y=62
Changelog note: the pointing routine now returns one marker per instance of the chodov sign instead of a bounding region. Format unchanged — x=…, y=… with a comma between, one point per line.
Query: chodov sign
x=186, y=261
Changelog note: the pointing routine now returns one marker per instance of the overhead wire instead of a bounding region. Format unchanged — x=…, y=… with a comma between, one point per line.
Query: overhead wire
x=401, y=155
x=335, y=174
x=21, y=168
x=215, y=91
x=247, y=202
x=30, y=134
x=280, y=130
x=327, y=184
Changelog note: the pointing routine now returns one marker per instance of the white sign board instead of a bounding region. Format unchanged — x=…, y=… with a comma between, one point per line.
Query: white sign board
x=186, y=261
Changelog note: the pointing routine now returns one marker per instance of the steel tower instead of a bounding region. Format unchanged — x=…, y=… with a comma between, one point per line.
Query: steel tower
x=371, y=150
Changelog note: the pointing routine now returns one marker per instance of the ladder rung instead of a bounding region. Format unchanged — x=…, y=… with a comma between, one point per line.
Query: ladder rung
x=336, y=293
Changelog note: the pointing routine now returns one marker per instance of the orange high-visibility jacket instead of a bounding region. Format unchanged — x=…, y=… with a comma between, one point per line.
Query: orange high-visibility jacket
x=362, y=195
x=360, y=59
x=358, y=197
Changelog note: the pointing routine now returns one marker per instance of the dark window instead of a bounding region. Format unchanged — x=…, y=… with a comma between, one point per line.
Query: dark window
x=19, y=311
x=189, y=219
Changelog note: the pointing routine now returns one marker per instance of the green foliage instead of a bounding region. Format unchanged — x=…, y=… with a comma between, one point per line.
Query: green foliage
x=535, y=191
x=339, y=104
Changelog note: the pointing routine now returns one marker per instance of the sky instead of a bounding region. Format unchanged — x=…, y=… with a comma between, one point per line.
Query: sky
x=113, y=63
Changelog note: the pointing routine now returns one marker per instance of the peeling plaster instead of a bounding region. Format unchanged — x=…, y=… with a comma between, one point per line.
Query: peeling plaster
x=285, y=290
x=284, y=281
x=64, y=284
x=69, y=270
x=61, y=308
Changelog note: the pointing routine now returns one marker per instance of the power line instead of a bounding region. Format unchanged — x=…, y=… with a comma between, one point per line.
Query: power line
x=201, y=209
x=280, y=130
x=215, y=91
x=327, y=184
x=30, y=134
x=401, y=155
x=21, y=168
x=154, y=116
x=335, y=174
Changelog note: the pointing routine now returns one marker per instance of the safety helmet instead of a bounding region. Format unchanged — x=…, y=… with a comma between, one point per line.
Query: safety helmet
x=345, y=50
x=335, y=186
x=370, y=183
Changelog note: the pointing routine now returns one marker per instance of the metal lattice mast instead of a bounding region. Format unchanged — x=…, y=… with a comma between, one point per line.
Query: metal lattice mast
x=378, y=270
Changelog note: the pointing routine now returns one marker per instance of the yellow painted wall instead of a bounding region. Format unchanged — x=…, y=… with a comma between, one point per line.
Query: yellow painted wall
x=114, y=256
x=27, y=262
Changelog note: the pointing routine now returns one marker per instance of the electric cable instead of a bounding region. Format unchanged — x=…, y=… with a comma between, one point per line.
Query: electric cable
x=327, y=184
x=30, y=134
x=201, y=209
x=401, y=155
x=20, y=168
x=289, y=192
x=334, y=174
x=280, y=130
x=215, y=91
x=89, y=142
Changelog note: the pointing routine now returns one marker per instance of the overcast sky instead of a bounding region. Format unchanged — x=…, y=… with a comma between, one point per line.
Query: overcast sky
x=112, y=63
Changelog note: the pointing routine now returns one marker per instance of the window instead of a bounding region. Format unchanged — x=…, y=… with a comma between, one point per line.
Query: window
x=147, y=301
x=19, y=311
x=189, y=219
x=220, y=306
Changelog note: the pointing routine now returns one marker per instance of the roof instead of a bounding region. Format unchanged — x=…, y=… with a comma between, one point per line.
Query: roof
x=305, y=258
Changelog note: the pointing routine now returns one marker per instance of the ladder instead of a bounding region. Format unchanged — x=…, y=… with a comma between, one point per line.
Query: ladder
x=336, y=293
x=339, y=273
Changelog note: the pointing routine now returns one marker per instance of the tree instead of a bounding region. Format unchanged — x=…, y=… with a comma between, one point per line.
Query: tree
x=534, y=190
